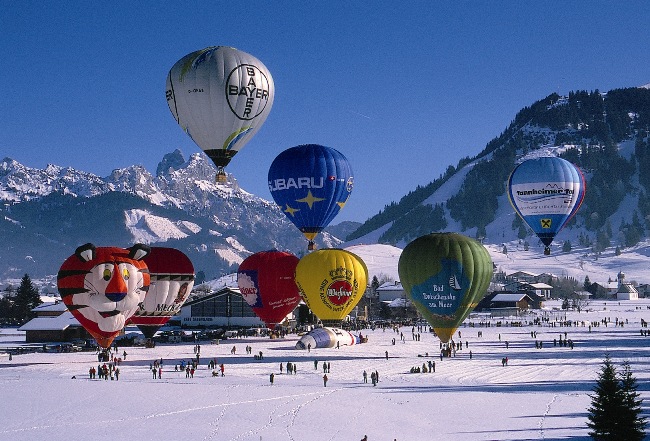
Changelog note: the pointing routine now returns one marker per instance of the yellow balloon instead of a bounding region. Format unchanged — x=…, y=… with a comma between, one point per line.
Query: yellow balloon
x=331, y=282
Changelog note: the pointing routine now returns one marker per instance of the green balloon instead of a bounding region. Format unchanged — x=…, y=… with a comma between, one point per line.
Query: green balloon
x=445, y=275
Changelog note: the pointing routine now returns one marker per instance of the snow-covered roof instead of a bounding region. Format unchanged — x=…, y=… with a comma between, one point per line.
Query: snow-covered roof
x=56, y=307
x=583, y=293
x=509, y=297
x=523, y=273
x=399, y=303
x=627, y=287
x=540, y=285
x=391, y=286
x=58, y=323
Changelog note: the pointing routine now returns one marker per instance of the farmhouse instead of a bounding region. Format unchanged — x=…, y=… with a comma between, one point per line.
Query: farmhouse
x=501, y=304
x=53, y=323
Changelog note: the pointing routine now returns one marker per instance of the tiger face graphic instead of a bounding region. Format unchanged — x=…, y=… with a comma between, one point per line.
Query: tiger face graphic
x=103, y=286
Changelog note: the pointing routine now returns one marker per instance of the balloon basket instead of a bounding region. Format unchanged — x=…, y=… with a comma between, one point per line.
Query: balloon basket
x=547, y=251
x=221, y=178
x=311, y=246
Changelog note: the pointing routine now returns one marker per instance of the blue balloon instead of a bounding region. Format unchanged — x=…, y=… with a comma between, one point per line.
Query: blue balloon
x=310, y=183
x=546, y=192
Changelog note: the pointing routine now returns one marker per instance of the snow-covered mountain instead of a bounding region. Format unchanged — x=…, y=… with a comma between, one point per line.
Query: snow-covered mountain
x=46, y=213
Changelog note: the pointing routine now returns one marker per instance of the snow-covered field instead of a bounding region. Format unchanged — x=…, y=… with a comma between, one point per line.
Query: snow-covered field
x=542, y=394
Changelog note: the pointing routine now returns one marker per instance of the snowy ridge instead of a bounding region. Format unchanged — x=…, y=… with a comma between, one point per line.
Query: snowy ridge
x=218, y=224
x=21, y=183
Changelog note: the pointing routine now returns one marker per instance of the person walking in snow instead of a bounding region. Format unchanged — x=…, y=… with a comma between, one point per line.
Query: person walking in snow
x=325, y=380
x=365, y=376
x=271, y=377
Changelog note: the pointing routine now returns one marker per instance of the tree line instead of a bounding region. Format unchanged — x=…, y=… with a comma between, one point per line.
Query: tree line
x=16, y=305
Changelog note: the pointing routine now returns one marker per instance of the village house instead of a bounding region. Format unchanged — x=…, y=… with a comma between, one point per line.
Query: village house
x=502, y=304
x=522, y=276
x=390, y=291
x=627, y=291
x=540, y=289
x=53, y=323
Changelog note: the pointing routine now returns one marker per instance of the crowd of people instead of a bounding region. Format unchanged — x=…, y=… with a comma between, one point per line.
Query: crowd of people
x=110, y=359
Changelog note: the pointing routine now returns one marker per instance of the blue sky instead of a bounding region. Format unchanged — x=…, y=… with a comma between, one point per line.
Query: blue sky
x=403, y=89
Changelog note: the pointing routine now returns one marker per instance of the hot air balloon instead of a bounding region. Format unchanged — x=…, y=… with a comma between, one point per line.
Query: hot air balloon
x=546, y=192
x=326, y=338
x=103, y=286
x=445, y=275
x=310, y=183
x=220, y=96
x=172, y=279
x=266, y=282
x=331, y=282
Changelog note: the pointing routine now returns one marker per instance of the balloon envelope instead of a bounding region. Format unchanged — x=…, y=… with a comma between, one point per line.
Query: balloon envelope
x=311, y=184
x=331, y=282
x=266, y=282
x=445, y=275
x=103, y=286
x=172, y=280
x=326, y=338
x=546, y=192
x=220, y=96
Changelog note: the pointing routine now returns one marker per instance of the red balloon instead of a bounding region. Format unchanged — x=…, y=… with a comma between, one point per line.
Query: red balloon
x=266, y=282
x=172, y=279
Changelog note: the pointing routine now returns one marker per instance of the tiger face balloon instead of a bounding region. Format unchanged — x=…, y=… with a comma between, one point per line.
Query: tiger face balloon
x=103, y=286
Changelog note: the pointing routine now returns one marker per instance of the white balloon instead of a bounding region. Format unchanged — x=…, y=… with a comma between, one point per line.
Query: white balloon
x=220, y=96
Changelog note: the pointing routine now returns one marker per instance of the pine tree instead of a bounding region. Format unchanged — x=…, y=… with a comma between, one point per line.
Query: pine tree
x=27, y=298
x=606, y=404
x=633, y=428
x=615, y=411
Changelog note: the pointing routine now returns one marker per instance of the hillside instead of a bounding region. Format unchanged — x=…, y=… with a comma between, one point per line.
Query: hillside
x=605, y=134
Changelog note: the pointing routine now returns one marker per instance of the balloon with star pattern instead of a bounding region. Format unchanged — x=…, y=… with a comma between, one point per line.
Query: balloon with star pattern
x=310, y=183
